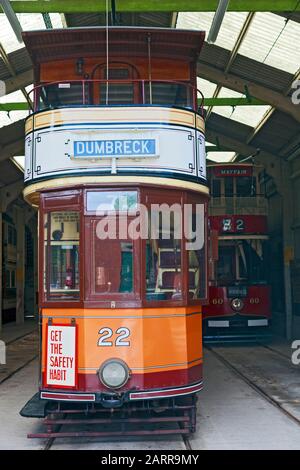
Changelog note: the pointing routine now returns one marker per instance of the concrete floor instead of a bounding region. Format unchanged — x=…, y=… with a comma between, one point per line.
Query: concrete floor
x=231, y=414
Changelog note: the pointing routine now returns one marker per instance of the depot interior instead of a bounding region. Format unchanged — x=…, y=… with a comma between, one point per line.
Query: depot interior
x=247, y=76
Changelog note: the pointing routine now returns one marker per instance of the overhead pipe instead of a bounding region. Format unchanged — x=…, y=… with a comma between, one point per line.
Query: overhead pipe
x=12, y=18
x=217, y=21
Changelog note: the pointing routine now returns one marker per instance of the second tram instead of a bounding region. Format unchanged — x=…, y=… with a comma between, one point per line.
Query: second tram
x=239, y=293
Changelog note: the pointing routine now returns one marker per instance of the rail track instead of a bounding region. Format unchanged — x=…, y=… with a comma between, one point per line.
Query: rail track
x=257, y=385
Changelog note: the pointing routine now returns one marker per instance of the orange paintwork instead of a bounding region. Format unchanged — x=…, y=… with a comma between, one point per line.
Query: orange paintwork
x=161, y=339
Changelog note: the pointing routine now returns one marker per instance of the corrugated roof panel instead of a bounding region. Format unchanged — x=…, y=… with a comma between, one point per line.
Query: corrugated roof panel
x=12, y=133
x=214, y=55
x=229, y=31
x=260, y=73
x=9, y=173
x=234, y=129
x=277, y=133
x=274, y=41
x=245, y=68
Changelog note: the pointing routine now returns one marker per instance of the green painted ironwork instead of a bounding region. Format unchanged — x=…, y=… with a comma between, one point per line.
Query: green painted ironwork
x=207, y=102
x=97, y=6
x=47, y=20
x=233, y=102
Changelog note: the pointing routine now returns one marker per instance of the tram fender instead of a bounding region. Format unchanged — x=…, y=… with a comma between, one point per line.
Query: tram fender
x=34, y=408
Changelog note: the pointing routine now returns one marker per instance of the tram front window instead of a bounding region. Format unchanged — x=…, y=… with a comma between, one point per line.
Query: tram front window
x=61, y=240
x=242, y=261
x=62, y=94
x=168, y=94
x=113, y=266
x=163, y=259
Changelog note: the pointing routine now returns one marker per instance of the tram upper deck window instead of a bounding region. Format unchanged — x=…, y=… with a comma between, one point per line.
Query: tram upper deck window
x=228, y=186
x=116, y=93
x=168, y=94
x=62, y=94
x=216, y=188
x=61, y=265
x=245, y=186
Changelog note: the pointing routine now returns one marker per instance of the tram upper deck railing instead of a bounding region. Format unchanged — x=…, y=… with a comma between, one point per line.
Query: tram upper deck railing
x=102, y=92
x=239, y=205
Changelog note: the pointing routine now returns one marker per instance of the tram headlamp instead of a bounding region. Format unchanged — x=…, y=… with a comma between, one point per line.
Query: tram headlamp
x=237, y=304
x=114, y=373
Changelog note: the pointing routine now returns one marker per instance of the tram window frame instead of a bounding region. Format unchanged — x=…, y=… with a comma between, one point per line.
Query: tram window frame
x=101, y=91
x=61, y=89
x=173, y=88
x=92, y=215
x=170, y=197
x=216, y=188
x=56, y=201
x=240, y=186
x=105, y=297
x=202, y=299
x=229, y=186
x=89, y=210
x=49, y=241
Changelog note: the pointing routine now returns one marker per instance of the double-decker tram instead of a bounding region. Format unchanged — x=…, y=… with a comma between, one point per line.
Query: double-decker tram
x=239, y=295
x=115, y=163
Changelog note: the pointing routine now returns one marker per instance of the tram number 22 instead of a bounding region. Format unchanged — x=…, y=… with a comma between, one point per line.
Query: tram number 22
x=120, y=340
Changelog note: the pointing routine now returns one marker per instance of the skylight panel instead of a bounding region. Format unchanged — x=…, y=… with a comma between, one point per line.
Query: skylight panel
x=273, y=41
x=15, y=97
x=230, y=29
x=19, y=161
x=29, y=22
x=206, y=87
x=250, y=115
x=221, y=157
x=7, y=118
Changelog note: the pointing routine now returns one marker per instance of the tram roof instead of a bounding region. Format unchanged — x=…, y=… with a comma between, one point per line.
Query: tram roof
x=44, y=46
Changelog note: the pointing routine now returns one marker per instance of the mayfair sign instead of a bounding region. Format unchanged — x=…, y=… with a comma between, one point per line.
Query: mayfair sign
x=125, y=148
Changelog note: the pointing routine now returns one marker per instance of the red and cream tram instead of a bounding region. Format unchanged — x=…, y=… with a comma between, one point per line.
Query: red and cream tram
x=115, y=164
x=239, y=294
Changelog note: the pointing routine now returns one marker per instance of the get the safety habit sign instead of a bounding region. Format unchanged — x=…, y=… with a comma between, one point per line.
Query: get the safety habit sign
x=61, y=355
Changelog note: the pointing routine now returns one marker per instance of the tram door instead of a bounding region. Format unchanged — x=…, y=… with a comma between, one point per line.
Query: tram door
x=123, y=87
